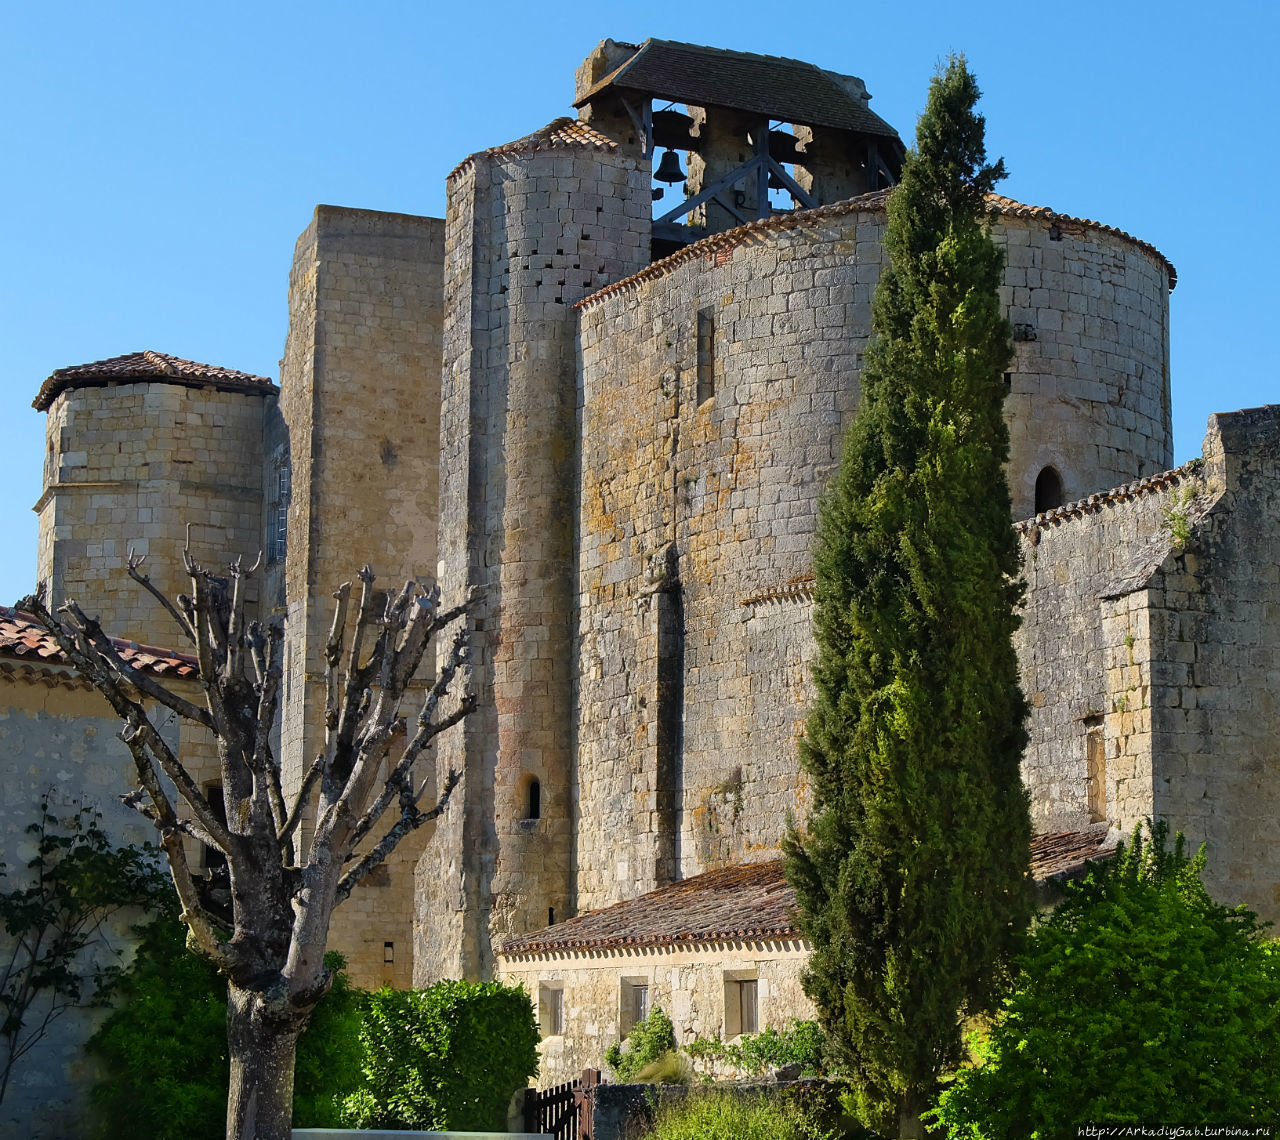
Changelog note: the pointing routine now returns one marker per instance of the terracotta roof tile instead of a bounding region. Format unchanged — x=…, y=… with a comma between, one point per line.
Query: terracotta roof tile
x=147, y=366
x=562, y=132
x=1092, y=504
x=873, y=203
x=746, y=903
x=22, y=637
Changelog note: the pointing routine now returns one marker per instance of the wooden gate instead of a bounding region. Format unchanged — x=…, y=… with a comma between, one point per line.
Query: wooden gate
x=564, y=1110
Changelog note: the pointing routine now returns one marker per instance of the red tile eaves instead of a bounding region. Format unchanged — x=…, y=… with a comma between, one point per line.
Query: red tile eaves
x=873, y=203
x=745, y=903
x=23, y=638
x=148, y=367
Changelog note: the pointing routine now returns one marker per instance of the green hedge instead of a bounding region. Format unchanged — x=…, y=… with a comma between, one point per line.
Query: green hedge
x=447, y=1057
x=163, y=1052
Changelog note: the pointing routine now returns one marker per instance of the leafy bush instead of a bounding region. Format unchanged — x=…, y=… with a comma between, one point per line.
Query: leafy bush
x=802, y=1043
x=1140, y=1000
x=164, y=1051
x=650, y=1037
x=446, y=1057
x=723, y=1115
x=57, y=953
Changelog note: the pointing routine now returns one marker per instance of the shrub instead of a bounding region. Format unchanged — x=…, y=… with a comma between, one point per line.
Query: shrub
x=164, y=1050
x=1139, y=1000
x=650, y=1037
x=57, y=950
x=802, y=1043
x=446, y=1057
x=725, y=1115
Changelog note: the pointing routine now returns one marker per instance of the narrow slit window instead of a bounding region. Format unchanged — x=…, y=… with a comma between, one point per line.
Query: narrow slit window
x=706, y=355
x=533, y=799
x=1095, y=770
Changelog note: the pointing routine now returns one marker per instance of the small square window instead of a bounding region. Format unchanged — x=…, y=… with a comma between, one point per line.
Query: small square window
x=551, y=1009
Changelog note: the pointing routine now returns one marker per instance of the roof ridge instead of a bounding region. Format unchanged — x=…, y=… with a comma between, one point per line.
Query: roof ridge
x=1125, y=492
x=562, y=131
x=873, y=202
x=143, y=366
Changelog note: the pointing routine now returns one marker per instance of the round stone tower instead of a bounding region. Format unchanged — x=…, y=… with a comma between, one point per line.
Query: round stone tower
x=140, y=448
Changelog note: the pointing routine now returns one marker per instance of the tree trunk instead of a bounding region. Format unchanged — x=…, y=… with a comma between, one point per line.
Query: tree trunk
x=910, y=1126
x=261, y=1047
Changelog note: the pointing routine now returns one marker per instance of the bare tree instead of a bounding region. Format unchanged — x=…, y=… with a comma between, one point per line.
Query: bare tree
x=270, y=944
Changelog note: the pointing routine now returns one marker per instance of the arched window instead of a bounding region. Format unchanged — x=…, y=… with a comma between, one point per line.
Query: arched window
x=533, y=799
x=1048, y=490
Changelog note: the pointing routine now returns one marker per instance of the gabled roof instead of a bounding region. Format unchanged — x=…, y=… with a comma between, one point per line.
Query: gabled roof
x=748, y=903
x=148, y=366
x=786, y=89
x=26, y=640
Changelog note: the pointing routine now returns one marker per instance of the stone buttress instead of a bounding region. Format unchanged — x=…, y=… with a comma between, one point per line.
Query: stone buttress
x=532, y=228
x=353, y=479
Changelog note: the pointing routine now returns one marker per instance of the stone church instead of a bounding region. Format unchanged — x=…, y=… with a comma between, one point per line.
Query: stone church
x=607, y=389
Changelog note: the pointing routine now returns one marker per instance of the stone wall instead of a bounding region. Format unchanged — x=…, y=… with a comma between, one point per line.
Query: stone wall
x=716, y=388
x=59, y=737
x=1069, y=557
x=360, y=391
x=131, y=465
x=688, y=983
x=531, y=229
x=1203, y=605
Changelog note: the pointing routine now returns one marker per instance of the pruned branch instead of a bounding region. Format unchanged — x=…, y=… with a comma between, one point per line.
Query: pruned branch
x=135, y=562
x=104, y=646
x=409, y=821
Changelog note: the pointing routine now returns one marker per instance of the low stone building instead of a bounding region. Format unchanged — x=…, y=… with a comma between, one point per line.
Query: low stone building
x=720, y=953
x=59, y=739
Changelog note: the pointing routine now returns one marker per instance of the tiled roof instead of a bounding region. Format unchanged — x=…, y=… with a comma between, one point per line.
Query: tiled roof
x=1092, y=504
x=747, y=903
x=562, y=132
x=23, y=638
x=1064, y=853
x=873, y=203
x=156, y=367
x=786, y=89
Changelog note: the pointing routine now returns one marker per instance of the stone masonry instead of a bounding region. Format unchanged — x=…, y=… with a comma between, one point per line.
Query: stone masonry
x=616, y=428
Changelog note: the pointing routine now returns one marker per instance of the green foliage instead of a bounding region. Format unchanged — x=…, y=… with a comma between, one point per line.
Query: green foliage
x=447, y=1057
x=163, y=1052
x=650, y=1037
x=1139, y=1000
x=802, y=1043
x=57, y=954
x=912, y=872
x=724, y=1115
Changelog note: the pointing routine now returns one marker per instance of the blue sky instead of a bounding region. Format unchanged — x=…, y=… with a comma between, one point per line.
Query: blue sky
x=161, y=158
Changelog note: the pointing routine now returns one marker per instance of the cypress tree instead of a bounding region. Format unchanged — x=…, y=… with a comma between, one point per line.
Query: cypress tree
x=911, y=873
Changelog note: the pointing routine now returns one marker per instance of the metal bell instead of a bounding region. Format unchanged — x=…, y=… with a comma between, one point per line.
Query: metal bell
x=669, y=169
